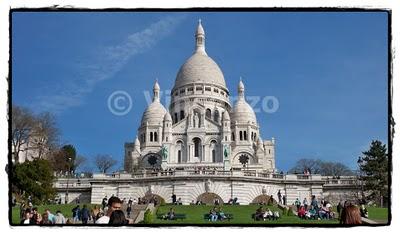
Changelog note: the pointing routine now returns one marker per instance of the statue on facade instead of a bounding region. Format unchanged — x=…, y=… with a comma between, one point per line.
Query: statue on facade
x=226, y=151
x=164, y=152
x=196, y=120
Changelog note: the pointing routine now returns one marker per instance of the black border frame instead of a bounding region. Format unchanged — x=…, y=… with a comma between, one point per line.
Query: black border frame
x=56, y=9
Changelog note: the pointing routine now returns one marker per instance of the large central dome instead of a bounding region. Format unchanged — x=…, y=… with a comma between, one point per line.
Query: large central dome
x=200, y=68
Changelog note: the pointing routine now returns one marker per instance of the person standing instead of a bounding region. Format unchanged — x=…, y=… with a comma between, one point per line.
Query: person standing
x=75, y=213
x=129, y=209
x=85, y=215
x=114, y=203
x=305, y=203
x=279, y=196
x=284, y=199
x=173, y=198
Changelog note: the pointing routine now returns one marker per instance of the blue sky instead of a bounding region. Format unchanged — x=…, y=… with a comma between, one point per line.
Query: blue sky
x=327, y=70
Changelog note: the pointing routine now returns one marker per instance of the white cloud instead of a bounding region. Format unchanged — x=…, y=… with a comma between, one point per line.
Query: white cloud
x=108, y=62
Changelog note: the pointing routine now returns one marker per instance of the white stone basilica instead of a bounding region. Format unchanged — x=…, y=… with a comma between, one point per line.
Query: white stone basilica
x=200, y=129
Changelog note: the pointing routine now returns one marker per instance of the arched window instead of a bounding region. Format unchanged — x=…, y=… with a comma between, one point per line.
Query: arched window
x=175, y=117
x=197, y=147
x=208, y=113
x=216, y=116
x=233, y=136
x=214, y=159
x=179, y=156
x=182, y=114
x=151, y=136
x=245, y=135
x=155, y=137
x=166, y=139
x=241, y=135
x=252, y=136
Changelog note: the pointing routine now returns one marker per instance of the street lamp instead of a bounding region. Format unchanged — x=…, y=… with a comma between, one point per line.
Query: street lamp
x=69, y=168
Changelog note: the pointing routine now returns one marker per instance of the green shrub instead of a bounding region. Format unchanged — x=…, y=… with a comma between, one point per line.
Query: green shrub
x=148, y=217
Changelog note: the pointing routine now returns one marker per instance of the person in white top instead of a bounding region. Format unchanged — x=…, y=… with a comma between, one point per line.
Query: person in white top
x=114, y=203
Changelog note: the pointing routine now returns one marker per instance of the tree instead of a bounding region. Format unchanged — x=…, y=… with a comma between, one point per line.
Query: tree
x=325, y=168
x=374, y=165
x=22, y=121
x=79, y=161
x=244, y=159
x=104, y=162
x=45, y=134
x=35, y=179
x=64, y=159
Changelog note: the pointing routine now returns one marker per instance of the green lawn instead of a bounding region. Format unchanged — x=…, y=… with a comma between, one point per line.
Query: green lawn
x=241, y=215
x=66, y=210
x=378, y=214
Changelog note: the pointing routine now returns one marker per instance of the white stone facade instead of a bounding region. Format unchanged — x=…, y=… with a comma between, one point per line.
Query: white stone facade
x=200, y=128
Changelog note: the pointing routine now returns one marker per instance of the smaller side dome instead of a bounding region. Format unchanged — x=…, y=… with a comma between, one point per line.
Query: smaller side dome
x=225, y=116
x=154, y=114
x=167, y=117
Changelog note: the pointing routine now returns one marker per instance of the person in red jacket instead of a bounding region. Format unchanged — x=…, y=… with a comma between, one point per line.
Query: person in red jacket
x=302, y=212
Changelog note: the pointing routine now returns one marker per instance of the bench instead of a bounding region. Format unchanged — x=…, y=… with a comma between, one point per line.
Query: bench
x=176, y=216
x=228, y=217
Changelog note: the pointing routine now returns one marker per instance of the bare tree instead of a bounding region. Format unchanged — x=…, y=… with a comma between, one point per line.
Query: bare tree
x=45, y=134
x=79, y=161
x=22, y=121
x=104, y=162
x=324, y=168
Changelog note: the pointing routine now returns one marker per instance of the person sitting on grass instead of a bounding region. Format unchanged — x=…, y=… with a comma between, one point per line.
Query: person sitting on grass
x=221, y=214
x=267, y=215
x=363, y=211
x=276, y=215
x=323, y=213
x=301, y=212
x=60, y=219
x=171, y=214
x=259, y=214
x=311, y=213
x=213, y=215
x=27, y=217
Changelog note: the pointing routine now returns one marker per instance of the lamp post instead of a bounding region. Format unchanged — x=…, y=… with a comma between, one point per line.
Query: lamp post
x=69, y=168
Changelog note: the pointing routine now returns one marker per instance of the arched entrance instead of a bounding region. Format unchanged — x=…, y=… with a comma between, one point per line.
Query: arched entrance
x=264, y=199
x=152, y=198
x=209, y=198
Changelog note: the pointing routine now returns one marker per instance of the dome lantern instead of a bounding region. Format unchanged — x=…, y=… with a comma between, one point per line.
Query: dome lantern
x=200, y=39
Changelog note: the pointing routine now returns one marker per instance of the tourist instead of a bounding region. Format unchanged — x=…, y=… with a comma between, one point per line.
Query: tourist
x=279, y=196
x=314, y=202
x=350, y=215
x=339, y=207
x=134, y=202
x=213, y=215
x=271, y=200
x=27, y=219
x=94, y=212
x=192, y=202
x=104, y=202
x=179, y=201
x=221, y=214
x=117, y=217
x=301, y=213
x=114, y=203
x=37, y=219
x=45, y=219
x=363, y=211
x=51, y=217
x=305, y=203
x=85, y=214
x=259, y=214
x=323, y=212
x=76, y=214
x=59, y=219
x=129, y=209
x=173, y=197
x=216, y=201
x=171, y=214
x=297, y=203
x=276, y=215
x=268, y=215
x=311, y=213
x=284, y=199
x=235, y=201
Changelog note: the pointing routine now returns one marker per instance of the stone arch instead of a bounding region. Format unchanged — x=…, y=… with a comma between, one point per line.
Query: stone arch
x=152, y=198
x=264, y=199
x=209, y=198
